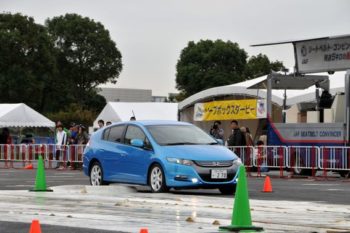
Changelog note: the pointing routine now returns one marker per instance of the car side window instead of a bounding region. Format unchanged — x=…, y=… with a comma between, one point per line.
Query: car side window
x=106, y=133
x=116, y=133
x=134, y=132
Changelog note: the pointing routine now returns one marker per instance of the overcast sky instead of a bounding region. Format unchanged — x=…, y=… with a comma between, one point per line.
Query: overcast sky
x=151, y=33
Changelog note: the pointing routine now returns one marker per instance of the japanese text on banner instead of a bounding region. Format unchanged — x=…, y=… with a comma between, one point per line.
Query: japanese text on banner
x=230, y=109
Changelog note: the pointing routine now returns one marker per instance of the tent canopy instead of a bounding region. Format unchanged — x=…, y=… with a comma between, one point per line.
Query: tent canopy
x=243, y=89
x=122, y=111
x=20, y=115
x=291, y=82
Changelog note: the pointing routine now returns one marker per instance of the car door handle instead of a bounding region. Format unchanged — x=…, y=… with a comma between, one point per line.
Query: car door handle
x=123, y=154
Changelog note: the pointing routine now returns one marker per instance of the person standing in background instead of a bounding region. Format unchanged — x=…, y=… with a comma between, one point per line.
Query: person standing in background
x=248, y=138
x=216, y=131
x=101, y=123
x=82, y=140
x=236, y=138
x=61, y=137
x=5, y=136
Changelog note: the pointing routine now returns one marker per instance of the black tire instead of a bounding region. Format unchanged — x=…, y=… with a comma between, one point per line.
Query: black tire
x=345, y=174
x=228, y=189
x=96, y=175
x=156, y=179
x=300, y=171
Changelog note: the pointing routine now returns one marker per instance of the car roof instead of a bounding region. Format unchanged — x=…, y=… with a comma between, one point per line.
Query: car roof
x=156, y=122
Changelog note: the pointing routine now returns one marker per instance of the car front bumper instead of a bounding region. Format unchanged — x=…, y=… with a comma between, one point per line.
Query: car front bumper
x=184, y=176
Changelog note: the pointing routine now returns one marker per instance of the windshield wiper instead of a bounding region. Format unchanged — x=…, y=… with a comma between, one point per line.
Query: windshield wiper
x=179, y=143
x=212, y=143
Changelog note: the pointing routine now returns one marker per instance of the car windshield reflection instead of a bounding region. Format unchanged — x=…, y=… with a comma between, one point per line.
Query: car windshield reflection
x=172, y=135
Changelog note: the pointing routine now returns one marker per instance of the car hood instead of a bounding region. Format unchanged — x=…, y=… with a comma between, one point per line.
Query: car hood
x=199, y=152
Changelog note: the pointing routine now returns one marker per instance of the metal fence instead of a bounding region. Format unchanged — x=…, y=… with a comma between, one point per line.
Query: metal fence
x=296, y=159
x=259, y=158
x=20, y=155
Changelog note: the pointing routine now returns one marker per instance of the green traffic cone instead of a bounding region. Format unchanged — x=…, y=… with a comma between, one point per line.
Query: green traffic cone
x=241, y=218
x=40, y=180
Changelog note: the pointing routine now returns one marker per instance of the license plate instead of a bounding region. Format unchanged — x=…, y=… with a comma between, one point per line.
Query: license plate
x=218, y=174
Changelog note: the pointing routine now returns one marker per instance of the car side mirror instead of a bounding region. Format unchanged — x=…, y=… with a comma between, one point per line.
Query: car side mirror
x=137, y=142
x=220, y=141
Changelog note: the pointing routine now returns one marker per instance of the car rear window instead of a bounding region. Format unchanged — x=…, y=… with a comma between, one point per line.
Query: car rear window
x=116, y=133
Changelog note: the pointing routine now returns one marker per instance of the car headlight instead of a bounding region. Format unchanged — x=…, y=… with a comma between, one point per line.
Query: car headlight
x=180, y=161
x=237, y=162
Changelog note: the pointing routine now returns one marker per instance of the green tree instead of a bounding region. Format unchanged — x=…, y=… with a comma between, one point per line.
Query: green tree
x=86, y=55
x=27, y=62
x=209, y=64
x=260, y=65
x=74, y=113
x=95, y=101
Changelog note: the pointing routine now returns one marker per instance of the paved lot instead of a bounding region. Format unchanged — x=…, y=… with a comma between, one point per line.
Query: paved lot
x=296, y=205
x=17, y=227
x=334, y=191
x=16, y=179
x=120, y=208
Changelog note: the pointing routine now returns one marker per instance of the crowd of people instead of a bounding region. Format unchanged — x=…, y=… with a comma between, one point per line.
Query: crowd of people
x=5, y=137
x=75, y=135
x=239, y=136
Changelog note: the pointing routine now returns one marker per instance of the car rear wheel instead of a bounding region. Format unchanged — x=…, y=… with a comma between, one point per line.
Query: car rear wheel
x=96, y=175
x=345, y=174
x=156, y=179
x=228, y=190
x=300, y=171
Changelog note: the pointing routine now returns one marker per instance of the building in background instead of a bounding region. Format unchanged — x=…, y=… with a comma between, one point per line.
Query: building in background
x=134, y=95
x=126, y=95
x=159, y=99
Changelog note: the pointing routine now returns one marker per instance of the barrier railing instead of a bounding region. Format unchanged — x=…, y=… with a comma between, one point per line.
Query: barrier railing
x=303, y=157
x=245, y=153
x=334, y=158
x=298, y=159
x=261, y=158
x=18, y=155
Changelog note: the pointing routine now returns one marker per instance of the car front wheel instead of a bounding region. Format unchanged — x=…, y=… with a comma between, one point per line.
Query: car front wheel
x=96, y=175
x=156, y=179
x=228, y=190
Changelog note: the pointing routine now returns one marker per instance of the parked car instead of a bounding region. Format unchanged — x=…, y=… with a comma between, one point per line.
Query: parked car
x=161, y=154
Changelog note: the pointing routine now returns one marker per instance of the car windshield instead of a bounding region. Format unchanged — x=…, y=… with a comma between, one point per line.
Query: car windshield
x=167, y=135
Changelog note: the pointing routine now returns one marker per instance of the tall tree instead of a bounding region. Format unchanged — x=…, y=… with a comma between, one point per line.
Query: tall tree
x=86, y=54
x=209, y=64
x=27, y=62
x=260, y=65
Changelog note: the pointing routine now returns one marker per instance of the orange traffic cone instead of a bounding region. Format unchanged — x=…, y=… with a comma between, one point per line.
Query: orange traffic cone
x=35, y=227
x=29, y=167
x=267, y=185
x=144, y=230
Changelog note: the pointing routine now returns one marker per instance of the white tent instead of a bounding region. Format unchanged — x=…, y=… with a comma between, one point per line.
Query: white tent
x=20, y=115
x=293, y=96
x=122, y=111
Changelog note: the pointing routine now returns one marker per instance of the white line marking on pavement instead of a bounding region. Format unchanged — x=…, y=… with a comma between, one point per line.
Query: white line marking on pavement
x=335, y=190
x=321, y=184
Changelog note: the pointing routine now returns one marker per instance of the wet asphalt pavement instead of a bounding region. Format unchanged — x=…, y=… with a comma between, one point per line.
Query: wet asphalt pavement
x=17, y=227
x=334, y=190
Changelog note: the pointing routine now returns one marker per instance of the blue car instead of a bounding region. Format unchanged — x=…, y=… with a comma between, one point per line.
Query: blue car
x=160, y=154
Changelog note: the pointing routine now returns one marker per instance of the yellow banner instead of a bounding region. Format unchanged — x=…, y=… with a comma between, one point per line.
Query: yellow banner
x=230, y=109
